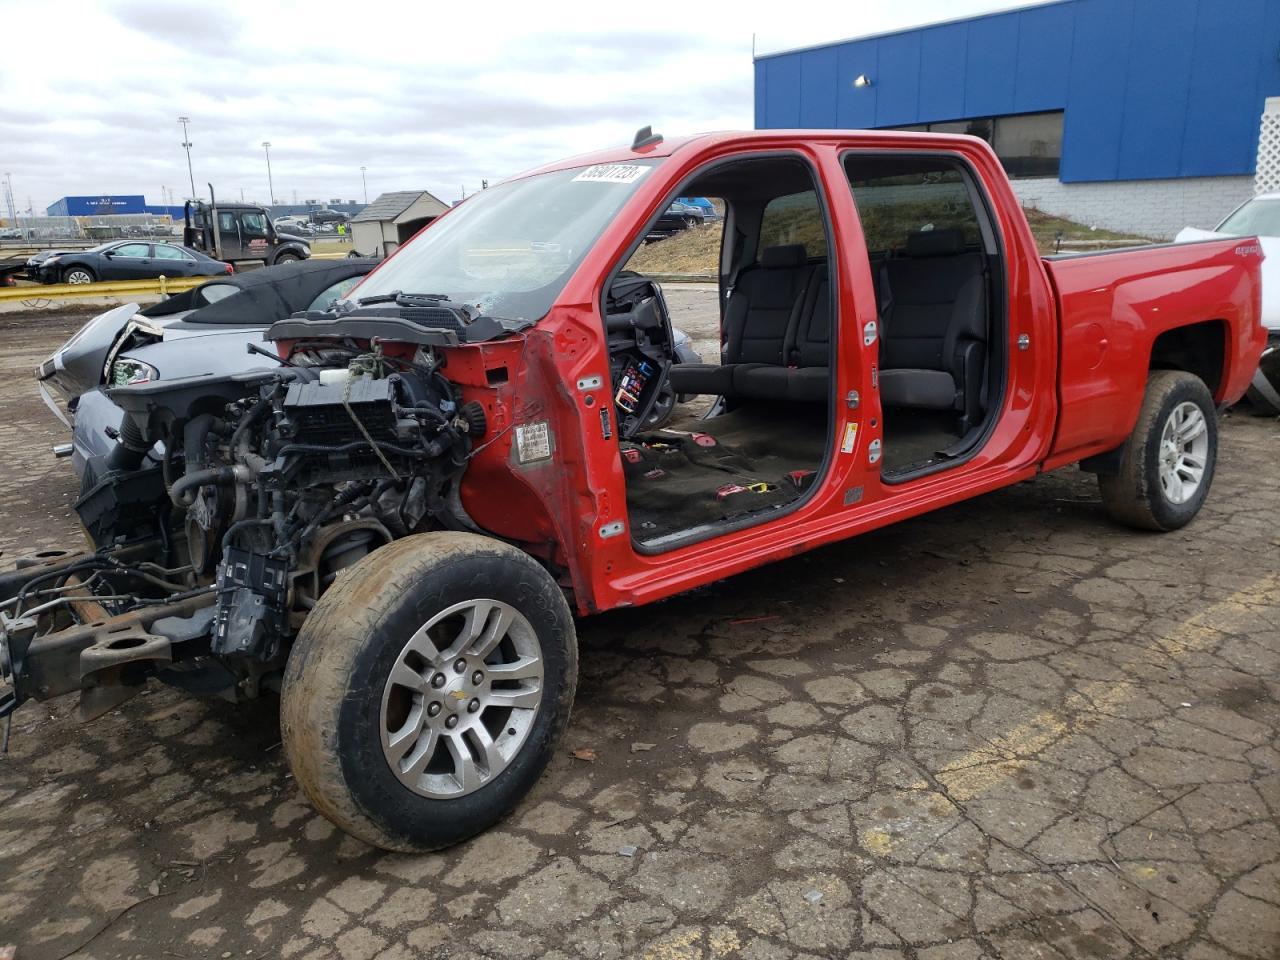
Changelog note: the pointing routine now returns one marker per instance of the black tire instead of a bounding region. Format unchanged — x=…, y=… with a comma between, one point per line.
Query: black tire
x=69, y=272
x=353, y=255
x=287, y=258
x=1135, y=495
x=332, y=696
x=1261, y=405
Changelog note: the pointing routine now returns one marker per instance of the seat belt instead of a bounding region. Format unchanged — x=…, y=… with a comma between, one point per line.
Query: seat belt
x=886, y=297
x=790, y=350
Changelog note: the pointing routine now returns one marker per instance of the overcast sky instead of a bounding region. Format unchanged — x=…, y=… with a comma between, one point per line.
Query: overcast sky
x=432, y=96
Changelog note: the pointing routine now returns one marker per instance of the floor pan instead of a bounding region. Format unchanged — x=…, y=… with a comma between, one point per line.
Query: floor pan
x=698, y=472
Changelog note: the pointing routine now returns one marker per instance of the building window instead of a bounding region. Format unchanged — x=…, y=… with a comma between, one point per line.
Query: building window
x=1028, y=144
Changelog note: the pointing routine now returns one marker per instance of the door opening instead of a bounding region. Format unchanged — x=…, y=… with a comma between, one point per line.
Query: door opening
x=936, y=264
x=711, y=443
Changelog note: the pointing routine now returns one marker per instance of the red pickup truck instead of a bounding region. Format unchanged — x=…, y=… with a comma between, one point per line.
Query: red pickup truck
x=393, y=527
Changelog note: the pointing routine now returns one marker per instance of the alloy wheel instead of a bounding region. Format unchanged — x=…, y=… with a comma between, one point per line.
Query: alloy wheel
x=461, y=698
x=1184, y=450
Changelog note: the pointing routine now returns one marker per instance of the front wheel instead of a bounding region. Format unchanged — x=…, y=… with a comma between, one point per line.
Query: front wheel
x=428, y=689
x=1168, y=461
x=78, y=275
x=287, y=258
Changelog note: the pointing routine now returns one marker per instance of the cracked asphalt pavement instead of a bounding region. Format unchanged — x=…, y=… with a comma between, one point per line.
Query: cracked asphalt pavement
x=1008, y=729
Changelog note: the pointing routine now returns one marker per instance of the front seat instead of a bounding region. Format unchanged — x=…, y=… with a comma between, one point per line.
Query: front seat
x=935, y=327
x=757, y=320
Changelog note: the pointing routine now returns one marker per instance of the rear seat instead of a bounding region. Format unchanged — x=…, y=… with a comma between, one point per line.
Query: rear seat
x=933, y=348
x=777, y=326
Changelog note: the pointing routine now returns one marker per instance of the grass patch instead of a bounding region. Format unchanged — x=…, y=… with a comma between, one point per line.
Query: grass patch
x=696, y=251
x=330, y=245
x=1045, y=228
x=693, y=252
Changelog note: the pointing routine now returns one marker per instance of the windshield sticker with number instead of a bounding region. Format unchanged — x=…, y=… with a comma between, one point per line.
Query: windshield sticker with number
x=611, y=173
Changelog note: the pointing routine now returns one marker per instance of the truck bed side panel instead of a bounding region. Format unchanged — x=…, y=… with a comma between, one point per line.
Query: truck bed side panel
x=1113, y=306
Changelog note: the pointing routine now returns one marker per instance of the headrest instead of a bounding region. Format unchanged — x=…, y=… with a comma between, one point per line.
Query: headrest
x=935, y=243
x=790, y=255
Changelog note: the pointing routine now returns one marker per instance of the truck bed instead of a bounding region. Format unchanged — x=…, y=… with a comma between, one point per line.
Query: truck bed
x=1116, y=308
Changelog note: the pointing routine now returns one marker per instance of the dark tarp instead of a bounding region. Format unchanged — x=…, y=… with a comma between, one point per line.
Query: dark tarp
x=266, y=295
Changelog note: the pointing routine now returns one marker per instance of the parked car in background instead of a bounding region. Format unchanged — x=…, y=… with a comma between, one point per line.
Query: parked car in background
x=123, y=260
x=293, y=225
x=677, y=217
x=205, y=331
x=1258, y=217
x=702, y=203
x=328, y=216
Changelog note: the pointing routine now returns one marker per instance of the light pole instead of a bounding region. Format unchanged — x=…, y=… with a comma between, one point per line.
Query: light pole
x=8, y=197
x=186, y=143
x=271, y=187
x=364, y=183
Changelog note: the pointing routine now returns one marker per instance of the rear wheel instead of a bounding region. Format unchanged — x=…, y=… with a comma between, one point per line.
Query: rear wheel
x=428, y=689
x=1168, y=462
x=78, y=275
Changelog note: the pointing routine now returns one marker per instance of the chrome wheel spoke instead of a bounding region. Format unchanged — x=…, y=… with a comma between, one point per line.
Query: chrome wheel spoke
x=488, y=749
x=526, y=668
x=400, y=742
x=413, y=768
x=1191, y=427
x=403, y=675
x=422, y=644
x=465, y=770
x=493, y=629
x=523, y=699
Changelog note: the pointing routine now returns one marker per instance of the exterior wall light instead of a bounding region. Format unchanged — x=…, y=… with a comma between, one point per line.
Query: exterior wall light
x=862, y=80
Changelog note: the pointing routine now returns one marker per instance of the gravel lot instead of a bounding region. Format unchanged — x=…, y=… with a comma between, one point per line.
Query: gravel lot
x=1009, y=729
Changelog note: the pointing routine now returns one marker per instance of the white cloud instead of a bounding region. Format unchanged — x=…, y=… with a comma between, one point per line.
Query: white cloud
x=425, y=96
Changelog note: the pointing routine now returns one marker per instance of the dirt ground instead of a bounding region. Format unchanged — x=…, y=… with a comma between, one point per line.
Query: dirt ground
x=1008, y=729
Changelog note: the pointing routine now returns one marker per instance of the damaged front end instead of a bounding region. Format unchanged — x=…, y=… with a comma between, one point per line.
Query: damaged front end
x=205, y=565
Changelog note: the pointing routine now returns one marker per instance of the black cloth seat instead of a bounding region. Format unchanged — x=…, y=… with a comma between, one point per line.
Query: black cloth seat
x=806, y=377
x=777, y=334
x=757, y=318
x=934, y=326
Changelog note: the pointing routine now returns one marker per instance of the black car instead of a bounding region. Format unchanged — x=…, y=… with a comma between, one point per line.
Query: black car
x=123, y=260
x=679, y=216
x=328, y=216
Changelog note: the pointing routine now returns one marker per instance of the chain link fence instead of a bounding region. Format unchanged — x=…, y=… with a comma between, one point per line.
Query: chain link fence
x=88, y=229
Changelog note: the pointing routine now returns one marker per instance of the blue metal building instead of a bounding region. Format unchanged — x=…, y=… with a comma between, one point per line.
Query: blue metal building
x=97, y=206
x=1083, y=91
x=106, y=204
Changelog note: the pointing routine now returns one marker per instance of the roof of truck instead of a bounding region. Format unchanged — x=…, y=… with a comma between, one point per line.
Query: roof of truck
x=669, y=145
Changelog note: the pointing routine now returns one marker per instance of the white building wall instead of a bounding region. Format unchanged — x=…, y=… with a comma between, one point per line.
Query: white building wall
x=1148, y=208
x=1268, y=176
